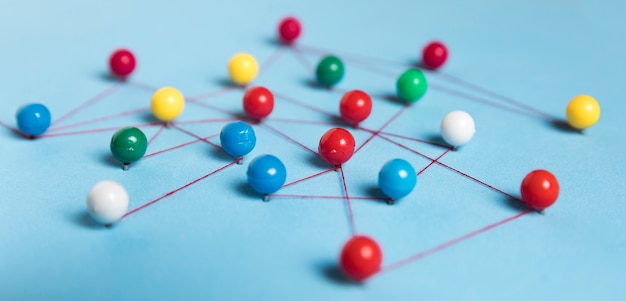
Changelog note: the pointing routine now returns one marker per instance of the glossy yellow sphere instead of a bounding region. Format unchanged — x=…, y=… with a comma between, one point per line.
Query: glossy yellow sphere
x=582, y=112
x=242, y=68
x=167, y=104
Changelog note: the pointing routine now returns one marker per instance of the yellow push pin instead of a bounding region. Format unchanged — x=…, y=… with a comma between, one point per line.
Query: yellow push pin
x=167, y=104
x=582, y=112
x=242, y=68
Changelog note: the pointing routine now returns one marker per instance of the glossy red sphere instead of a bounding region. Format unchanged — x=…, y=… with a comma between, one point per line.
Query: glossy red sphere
x=289, y=29
x=540, y=189
x=355, y=106
x=258, y=102
x=336, y=146
x=122, y=62
x=434, y=55
x=360, y=258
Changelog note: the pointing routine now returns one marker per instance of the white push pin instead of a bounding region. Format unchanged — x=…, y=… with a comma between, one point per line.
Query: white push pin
x=107, y=202
x=457, y=128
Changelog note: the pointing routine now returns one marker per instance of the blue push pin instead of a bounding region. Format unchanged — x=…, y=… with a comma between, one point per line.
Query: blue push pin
x=266, y=175
x=33, y=119
x=397, y=179
x=237, y=139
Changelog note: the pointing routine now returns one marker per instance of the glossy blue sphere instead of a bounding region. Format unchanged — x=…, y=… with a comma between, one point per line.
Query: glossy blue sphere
x=266, y=174
x=237, y=139
x=397, y=179
x=33, y=119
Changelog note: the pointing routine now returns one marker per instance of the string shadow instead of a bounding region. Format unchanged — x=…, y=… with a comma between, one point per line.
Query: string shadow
x=331, y=272
x=375, y=192
x=392, y=98
x=227, y=83
x=340, y=122
x=274, y=41
x=513, y=204
x=436, y=138
x=245, y=190
x=108, y=77
x=312, y=83
x=148, y=117
x=563, y=126
x=107, y=159
x=220, y=154
x=15, y=133
x=82, y=219
x=316, y=161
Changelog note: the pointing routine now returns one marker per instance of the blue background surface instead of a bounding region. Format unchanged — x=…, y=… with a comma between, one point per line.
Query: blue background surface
x=216, y=240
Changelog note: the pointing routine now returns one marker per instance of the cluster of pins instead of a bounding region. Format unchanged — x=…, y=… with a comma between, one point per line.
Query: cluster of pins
x=361, y=256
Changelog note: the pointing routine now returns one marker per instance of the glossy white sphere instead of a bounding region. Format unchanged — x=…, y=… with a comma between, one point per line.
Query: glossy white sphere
x=107, y=202
x=457, y=128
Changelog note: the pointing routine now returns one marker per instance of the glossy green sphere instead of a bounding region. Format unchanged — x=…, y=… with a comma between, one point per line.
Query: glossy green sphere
x=129, y=144
x=411, y=85
x=329, y=71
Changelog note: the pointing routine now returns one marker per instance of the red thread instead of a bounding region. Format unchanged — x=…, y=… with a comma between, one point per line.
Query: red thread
x=348, y=204
x=297, y=196
x=409, y=138
x=450, y=168
x=366, y=62
x=89, y=102
x=156, y=134
x=302, y=59
x=288, y=138
x=461, y=82
x=394, y=117
x=179, y=146
x=481, y=100
x=195, y=98
x=305, y=121
x=179, y=189
x=142, y=85
x=99, y=119
x=310, y=177
x=212, y=107
x=97, y=130
x=196, y=136
x=217, y=120
x=271, y=60
x=14, y=130
x=452, y=242
x=303, y=104
x=433, y=162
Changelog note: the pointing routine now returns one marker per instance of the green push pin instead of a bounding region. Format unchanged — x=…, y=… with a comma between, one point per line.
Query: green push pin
x=128, y=145
x=329, y=71
x=411, y=85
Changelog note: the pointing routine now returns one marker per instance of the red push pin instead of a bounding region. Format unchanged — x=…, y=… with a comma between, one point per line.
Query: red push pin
x=434, y=55
x=258, y=102
x=360, y=258
x=539, y=189
x=336, y=146
x=122, y=63
x=355, y=106
x=289, y=30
